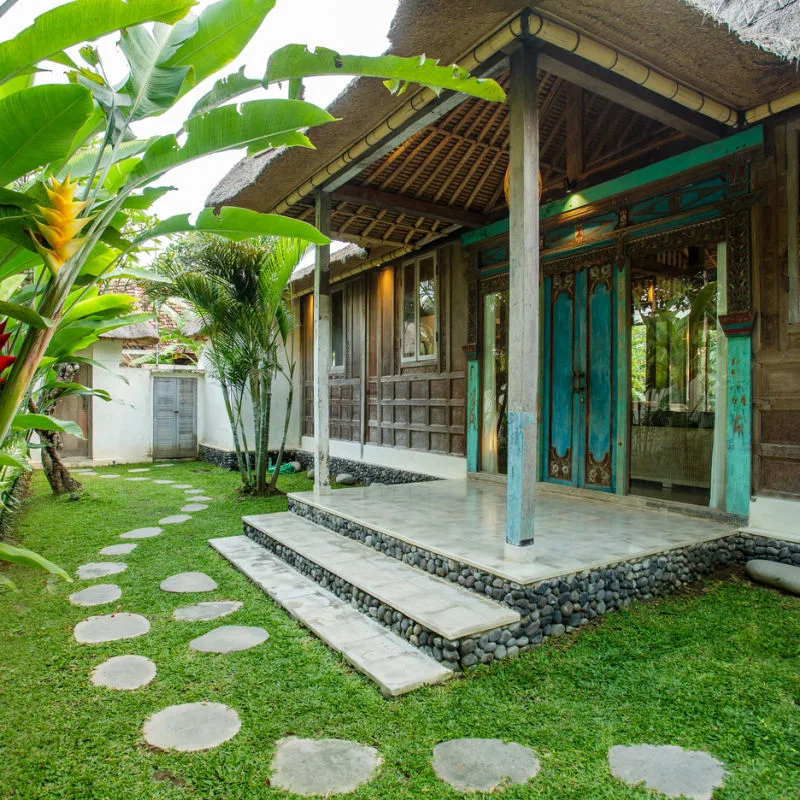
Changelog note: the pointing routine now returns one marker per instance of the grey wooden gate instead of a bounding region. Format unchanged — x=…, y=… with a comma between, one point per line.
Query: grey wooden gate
x=174, y=417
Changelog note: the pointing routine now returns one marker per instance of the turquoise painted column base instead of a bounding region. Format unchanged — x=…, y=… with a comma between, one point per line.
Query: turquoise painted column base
x=521, y=491
x=738, y=328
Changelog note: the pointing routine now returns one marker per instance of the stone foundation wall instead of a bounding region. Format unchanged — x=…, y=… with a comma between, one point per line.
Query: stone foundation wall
x=363, y=473
x=548, y=608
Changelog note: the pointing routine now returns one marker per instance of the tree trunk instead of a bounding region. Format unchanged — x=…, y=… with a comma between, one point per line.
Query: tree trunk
x=262, y=442
x=58, y=476
x=279, y=459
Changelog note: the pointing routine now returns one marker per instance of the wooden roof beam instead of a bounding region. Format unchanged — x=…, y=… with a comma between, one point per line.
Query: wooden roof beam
x=626, y=93
x=412, y=206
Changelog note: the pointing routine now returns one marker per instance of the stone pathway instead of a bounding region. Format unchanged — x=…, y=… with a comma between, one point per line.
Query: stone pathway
x=118, y=549
x=670, y=770
x=189, y=582
x=481, y=765
x=137, y=479
x=322, y=766
x=194, y=491
x=191, y=727
x=229, y=639
x=182, y=486
x=96, y=595
x=109, y=475
x=111, y=628
x=194, y=507
x=140, y=469
x=175, y=519
x=163, y=482
x=124, y=672
x=141, y=533
x=99, y=569
x=200, y=498
x=201, y=612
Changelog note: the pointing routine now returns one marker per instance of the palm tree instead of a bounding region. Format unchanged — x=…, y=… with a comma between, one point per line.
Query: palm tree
x=240, y=292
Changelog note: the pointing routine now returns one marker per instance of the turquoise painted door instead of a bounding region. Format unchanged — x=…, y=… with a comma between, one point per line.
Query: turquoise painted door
x=577, y=408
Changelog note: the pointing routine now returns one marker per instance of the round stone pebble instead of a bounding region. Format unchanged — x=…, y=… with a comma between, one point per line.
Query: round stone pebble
x=229, y=639
x=110, y=475
x=97, y=595
x=163, y=482
x=668, y=769
x=174, y=519
x=481, y=765
x=163, y=464
x=141, y=533
x=118, y=549
x=89, y=472
x=201, y=612
x=137, y=479
x=322, y=766
x=191, y=727
x=111, y=628
x=194, y=491
x=182, y=486
x=124, y=672
x=185, y=582
x=199, y=498
x=194, y=507
x=140, y=469
x=99, y=569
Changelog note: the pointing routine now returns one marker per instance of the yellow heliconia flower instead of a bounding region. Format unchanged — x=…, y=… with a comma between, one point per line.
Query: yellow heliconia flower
x=61, y=223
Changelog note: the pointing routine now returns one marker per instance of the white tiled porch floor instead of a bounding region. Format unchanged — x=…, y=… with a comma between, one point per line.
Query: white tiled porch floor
x=465, y=520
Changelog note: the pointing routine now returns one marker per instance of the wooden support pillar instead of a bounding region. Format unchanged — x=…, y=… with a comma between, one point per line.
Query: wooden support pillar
x=322, y=349
x=523, y=350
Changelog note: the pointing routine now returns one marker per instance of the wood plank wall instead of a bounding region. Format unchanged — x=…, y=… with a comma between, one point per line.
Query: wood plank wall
x=776, y=343
x=410, y=406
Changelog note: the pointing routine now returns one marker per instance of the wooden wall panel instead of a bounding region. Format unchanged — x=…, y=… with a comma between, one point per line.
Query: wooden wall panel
x=776, y=343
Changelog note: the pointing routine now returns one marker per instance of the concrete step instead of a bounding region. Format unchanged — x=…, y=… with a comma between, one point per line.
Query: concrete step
x=436, y=605
x=390, y=661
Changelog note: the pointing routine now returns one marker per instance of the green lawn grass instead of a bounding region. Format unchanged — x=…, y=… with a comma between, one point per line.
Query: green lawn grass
x=717, y=670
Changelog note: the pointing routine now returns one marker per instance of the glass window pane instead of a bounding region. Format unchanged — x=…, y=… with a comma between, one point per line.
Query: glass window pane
x=673, y=376
x=409, y=312
x=427, y=308
x=337, y=329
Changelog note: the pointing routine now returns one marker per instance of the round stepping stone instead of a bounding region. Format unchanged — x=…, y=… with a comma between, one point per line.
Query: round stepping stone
x=118, y=549
x=141, y=533
x=481, y=765
x=200, y=612
x=140, y=469
x=194, y=507
x=167, y=464
x=668, y=769
x=194, y=491
x=97, y=595
x=181, y=485
x=189, y=582
x=191, y=726
x=99, y=569
x=322, y=766
x=137, y=479
x=110, y=628
x=124, y=672
x=199, y=498
x=229, y=639
x=163, y=482
x=110, y=475
x=89, y=472
x=773, y=573
x=174, y=519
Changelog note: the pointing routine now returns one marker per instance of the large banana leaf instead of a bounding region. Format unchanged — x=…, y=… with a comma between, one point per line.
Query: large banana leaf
x=224, y=28
x=42, y=422
x=233, y=85
x=237, y=224
x=80, y=165
x=99, y=306
x=39, y=125
x=296, y=61
x=81, y=21
x=153, y=87
x=255, y=125
x=24, y=314
x=19, y=555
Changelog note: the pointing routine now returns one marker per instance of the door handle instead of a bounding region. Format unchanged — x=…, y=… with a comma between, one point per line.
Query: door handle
x=578, y=378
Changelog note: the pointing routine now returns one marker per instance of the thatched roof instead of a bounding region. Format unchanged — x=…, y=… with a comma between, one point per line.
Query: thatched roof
x=667, y=34
x=772, y=25
x=143, y=332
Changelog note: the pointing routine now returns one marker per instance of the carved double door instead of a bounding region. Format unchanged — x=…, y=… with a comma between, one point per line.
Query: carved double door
x=578, y=411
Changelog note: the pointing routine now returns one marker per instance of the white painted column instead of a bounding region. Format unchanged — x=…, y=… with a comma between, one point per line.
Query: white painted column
x=523, y=350
x=322, y=349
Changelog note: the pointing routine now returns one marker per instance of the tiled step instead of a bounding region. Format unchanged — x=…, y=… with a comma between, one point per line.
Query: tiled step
x=444, y=608
x=392, y=662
